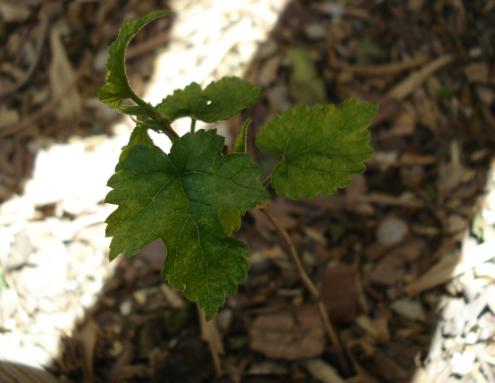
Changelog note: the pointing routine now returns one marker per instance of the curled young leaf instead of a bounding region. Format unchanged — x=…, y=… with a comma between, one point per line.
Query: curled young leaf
x=116, y=87
x=321, y=146
x=240, y=143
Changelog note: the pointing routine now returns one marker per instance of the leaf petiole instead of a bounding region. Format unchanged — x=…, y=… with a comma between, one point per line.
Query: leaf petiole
x=152, y=113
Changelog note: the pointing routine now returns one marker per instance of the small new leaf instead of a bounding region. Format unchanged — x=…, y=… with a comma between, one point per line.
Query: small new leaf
x=240, y=143
x=321, y=146
x=220, y=100
x=116, y=87
x=180, y=198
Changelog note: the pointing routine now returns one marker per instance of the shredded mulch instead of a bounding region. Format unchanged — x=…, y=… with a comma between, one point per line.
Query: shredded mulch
x=404, y=257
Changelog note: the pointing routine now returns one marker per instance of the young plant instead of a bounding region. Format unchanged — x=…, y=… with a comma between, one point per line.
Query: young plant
x=194, y=197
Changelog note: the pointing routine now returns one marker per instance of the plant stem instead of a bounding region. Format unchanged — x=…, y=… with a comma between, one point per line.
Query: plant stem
x=210, y=334
x=164, y=123
x=312, y=289
x=266, y=181
x=193, y=125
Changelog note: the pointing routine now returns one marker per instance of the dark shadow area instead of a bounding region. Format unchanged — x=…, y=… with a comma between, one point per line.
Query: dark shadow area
x=430, y=67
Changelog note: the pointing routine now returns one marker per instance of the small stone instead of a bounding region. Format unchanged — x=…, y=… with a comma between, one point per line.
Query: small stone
x=125, y=307
x=409, y=309
x=315, y=31
x=391, y=231
x=463, y=363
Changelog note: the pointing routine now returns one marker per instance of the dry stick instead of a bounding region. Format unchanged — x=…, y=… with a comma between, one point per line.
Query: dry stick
x=404, y=88
x=378, y=70
x=313, y=290
x=209, y=334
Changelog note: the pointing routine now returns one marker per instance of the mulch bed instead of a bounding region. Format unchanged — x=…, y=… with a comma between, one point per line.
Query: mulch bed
x=403, y=256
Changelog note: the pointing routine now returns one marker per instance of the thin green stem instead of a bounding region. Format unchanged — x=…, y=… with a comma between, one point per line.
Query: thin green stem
x=193, y=125
x=267, y=180
x=164, y=123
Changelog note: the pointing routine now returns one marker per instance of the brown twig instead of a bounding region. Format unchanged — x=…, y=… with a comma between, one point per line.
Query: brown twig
x=378, y=70
x=209, y=333
x=312, y=289
x=408, y=85
x=47, y=108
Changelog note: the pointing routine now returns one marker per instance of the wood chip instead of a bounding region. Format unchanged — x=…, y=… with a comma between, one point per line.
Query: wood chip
x=288, y=335
x=477, y=72
x=339, y=292
x=322, y=371
x=407, y=86
x=453, y=265
x=88, y=337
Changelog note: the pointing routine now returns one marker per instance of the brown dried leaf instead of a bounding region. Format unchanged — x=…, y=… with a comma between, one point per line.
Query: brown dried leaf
x=452, y=265
x=322, y=371
x=88, y=338
x=288, y=335
x=62, y=74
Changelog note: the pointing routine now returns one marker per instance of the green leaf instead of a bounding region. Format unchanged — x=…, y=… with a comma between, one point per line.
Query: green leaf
x=116, y=87
x=240, y=143
x=219, y=101
x=321, y=146
x=183, y=102
x=176, y=198
x=139, y=136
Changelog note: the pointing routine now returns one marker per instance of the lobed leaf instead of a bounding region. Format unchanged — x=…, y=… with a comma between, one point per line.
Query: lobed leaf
x=116, y=87
x=220, y=100
x=179, y=198
x=321, y=146
x=139, y=136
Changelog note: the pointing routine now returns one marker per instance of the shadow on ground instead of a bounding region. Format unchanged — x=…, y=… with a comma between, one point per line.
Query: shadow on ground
x=370, y=246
